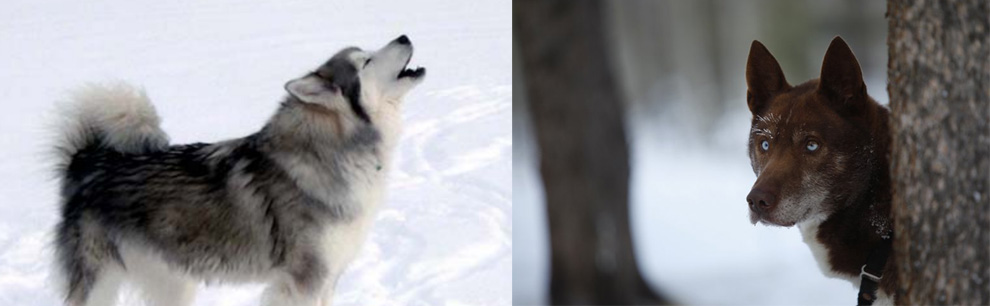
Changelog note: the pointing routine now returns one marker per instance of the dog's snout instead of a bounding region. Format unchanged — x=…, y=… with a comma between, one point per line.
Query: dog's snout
x=761, y=200
x=403, y=40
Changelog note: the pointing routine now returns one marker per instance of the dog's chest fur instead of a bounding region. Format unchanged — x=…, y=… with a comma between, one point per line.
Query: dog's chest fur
x=809, y=232
x=365, y=173
x=820, y=251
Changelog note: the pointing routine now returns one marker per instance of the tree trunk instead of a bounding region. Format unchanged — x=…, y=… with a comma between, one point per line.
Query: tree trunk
x=939, y=85
x=578, y=119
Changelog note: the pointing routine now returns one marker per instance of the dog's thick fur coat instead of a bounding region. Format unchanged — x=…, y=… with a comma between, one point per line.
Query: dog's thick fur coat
x=820, y=152
x=288, y=205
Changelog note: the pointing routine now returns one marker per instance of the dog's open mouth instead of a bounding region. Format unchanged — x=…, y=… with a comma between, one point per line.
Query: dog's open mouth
x=411, y=73
x=403, y=42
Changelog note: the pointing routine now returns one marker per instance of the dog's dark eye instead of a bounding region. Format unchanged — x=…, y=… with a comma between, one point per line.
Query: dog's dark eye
x=812, y=146
x=765, y=145
x=367, y=62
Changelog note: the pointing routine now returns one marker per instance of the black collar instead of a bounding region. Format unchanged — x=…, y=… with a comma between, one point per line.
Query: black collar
x=872, y=272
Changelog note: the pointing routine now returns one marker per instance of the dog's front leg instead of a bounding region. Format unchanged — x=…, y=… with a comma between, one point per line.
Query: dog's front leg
x=288, y=291
x=302, y=284
x=326, y=298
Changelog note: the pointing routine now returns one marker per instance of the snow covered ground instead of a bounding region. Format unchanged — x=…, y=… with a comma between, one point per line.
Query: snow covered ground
x=215, y=70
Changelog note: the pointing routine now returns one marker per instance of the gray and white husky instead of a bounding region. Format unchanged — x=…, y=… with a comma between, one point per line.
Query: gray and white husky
x=289, y=205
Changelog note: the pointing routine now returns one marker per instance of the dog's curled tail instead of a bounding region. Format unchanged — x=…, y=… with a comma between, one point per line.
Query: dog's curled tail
x=115, y=116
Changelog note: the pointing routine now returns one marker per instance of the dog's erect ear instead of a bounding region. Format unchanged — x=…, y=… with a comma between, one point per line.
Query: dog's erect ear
x=764, y=78
x=841, y=79
x=310, y=89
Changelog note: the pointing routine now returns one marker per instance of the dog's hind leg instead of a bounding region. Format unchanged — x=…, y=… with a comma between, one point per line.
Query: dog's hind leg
x=94, y=287
x=106, y=288
x=86, y=265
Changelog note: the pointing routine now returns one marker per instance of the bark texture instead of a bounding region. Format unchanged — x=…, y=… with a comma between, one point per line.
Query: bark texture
x=578, y=119
x=940, y=157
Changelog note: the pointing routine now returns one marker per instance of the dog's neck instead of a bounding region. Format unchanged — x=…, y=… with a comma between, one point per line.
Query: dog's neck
x=301, y=128
x=388, y=119
x=851, y=233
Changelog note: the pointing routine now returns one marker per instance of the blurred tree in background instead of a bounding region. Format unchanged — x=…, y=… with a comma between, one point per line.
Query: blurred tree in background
x=939, y=84
x=578, y=116
x=680, y=63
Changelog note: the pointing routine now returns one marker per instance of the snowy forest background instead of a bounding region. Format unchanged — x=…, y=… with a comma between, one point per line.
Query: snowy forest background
x=680, y=66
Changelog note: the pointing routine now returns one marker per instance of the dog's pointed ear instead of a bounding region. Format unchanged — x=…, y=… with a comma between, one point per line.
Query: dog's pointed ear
x=764, y=78
x=841, y=79
x=309, y=89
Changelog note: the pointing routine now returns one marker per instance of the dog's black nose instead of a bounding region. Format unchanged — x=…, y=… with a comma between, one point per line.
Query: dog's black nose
x=761, y=200
x=403, y=40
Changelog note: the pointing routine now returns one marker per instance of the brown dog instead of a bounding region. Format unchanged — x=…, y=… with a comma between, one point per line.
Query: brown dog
x=820, y=152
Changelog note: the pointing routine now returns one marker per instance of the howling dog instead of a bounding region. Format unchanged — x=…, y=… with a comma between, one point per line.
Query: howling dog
x=289, y=205
x=820, y=153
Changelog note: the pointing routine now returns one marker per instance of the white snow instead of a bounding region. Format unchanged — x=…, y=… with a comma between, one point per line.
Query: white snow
x=215, y=70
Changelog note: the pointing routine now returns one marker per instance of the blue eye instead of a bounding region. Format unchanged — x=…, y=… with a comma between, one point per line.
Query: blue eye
x=812, y=146
x=765, y=145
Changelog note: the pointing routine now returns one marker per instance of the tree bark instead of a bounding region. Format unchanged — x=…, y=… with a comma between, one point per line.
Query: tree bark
x=578, y=118
x=939, y=85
